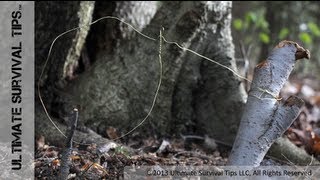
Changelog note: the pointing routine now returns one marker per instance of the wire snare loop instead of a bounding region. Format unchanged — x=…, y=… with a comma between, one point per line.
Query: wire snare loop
x=161, y=40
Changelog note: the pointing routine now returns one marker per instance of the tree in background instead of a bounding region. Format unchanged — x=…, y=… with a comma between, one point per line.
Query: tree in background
x=271, y=22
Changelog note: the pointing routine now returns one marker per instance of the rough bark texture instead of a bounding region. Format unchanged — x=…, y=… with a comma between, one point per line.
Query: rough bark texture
x=121, y=69
x=67, y=151
x=45, y=33
x=51, y=20
x=117, y=90
x=85, y=17
x=285, y=150
x=219, y=97
x=264, y=119
x=104, y=93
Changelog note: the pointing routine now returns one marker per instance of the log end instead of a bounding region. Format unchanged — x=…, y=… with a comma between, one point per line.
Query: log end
x=300, y=52
x=294, y=101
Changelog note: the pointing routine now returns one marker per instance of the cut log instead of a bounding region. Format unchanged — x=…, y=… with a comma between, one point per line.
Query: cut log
x=265, y=118
x=283, y=149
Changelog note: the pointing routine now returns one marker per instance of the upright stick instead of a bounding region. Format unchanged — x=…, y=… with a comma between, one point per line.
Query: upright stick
x=265, y=118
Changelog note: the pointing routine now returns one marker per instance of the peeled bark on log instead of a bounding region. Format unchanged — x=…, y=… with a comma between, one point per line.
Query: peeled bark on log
x=264, y=118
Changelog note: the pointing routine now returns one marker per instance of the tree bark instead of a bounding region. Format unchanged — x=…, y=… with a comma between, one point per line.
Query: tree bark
x=122, y=82
x=264, y=119
x=51, y=20
x=114, y=78
x=285, y=150
x=118, y=87
x=278, y=15
x=219, y=96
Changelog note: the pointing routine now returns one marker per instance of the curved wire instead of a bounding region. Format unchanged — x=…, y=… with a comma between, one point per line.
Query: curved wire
x=155, y=96
x=48, y=57
x=161, y=39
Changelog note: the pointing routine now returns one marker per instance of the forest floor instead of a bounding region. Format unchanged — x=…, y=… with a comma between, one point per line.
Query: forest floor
x=91, y=162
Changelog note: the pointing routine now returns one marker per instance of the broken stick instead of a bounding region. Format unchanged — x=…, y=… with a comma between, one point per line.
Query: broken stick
x=65, y=159
x=265, y=118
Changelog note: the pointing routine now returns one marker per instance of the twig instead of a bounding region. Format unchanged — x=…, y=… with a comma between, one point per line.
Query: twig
x=193, y=154
x=185, y=137
x=245, y=55
x=65, y=159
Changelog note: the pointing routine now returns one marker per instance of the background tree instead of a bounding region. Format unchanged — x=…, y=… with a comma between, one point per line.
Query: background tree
x=273, y=22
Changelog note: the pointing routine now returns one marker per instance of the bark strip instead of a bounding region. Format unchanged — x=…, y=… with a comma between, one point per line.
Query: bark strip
x=264, y=118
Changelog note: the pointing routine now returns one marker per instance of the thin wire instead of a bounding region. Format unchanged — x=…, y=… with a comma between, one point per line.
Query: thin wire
x=204, y=57
x=49, y=54
x=135, y=29
x=161, y=37
x=155, y=96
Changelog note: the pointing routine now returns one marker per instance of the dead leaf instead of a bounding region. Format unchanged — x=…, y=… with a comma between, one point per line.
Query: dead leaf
x=75, y=158
x=55, y=163
x=86, y=166
x=40, y=142
x=112, y=132
x=315, y=100
x=315, y=142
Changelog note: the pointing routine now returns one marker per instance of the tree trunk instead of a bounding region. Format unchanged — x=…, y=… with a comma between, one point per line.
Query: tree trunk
x=279, y=15
x=51, y=20
x=116, y=84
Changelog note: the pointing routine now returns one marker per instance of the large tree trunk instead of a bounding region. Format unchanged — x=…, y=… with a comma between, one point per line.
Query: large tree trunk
x=219, y=96
x=118, y=88
x=51, y=20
